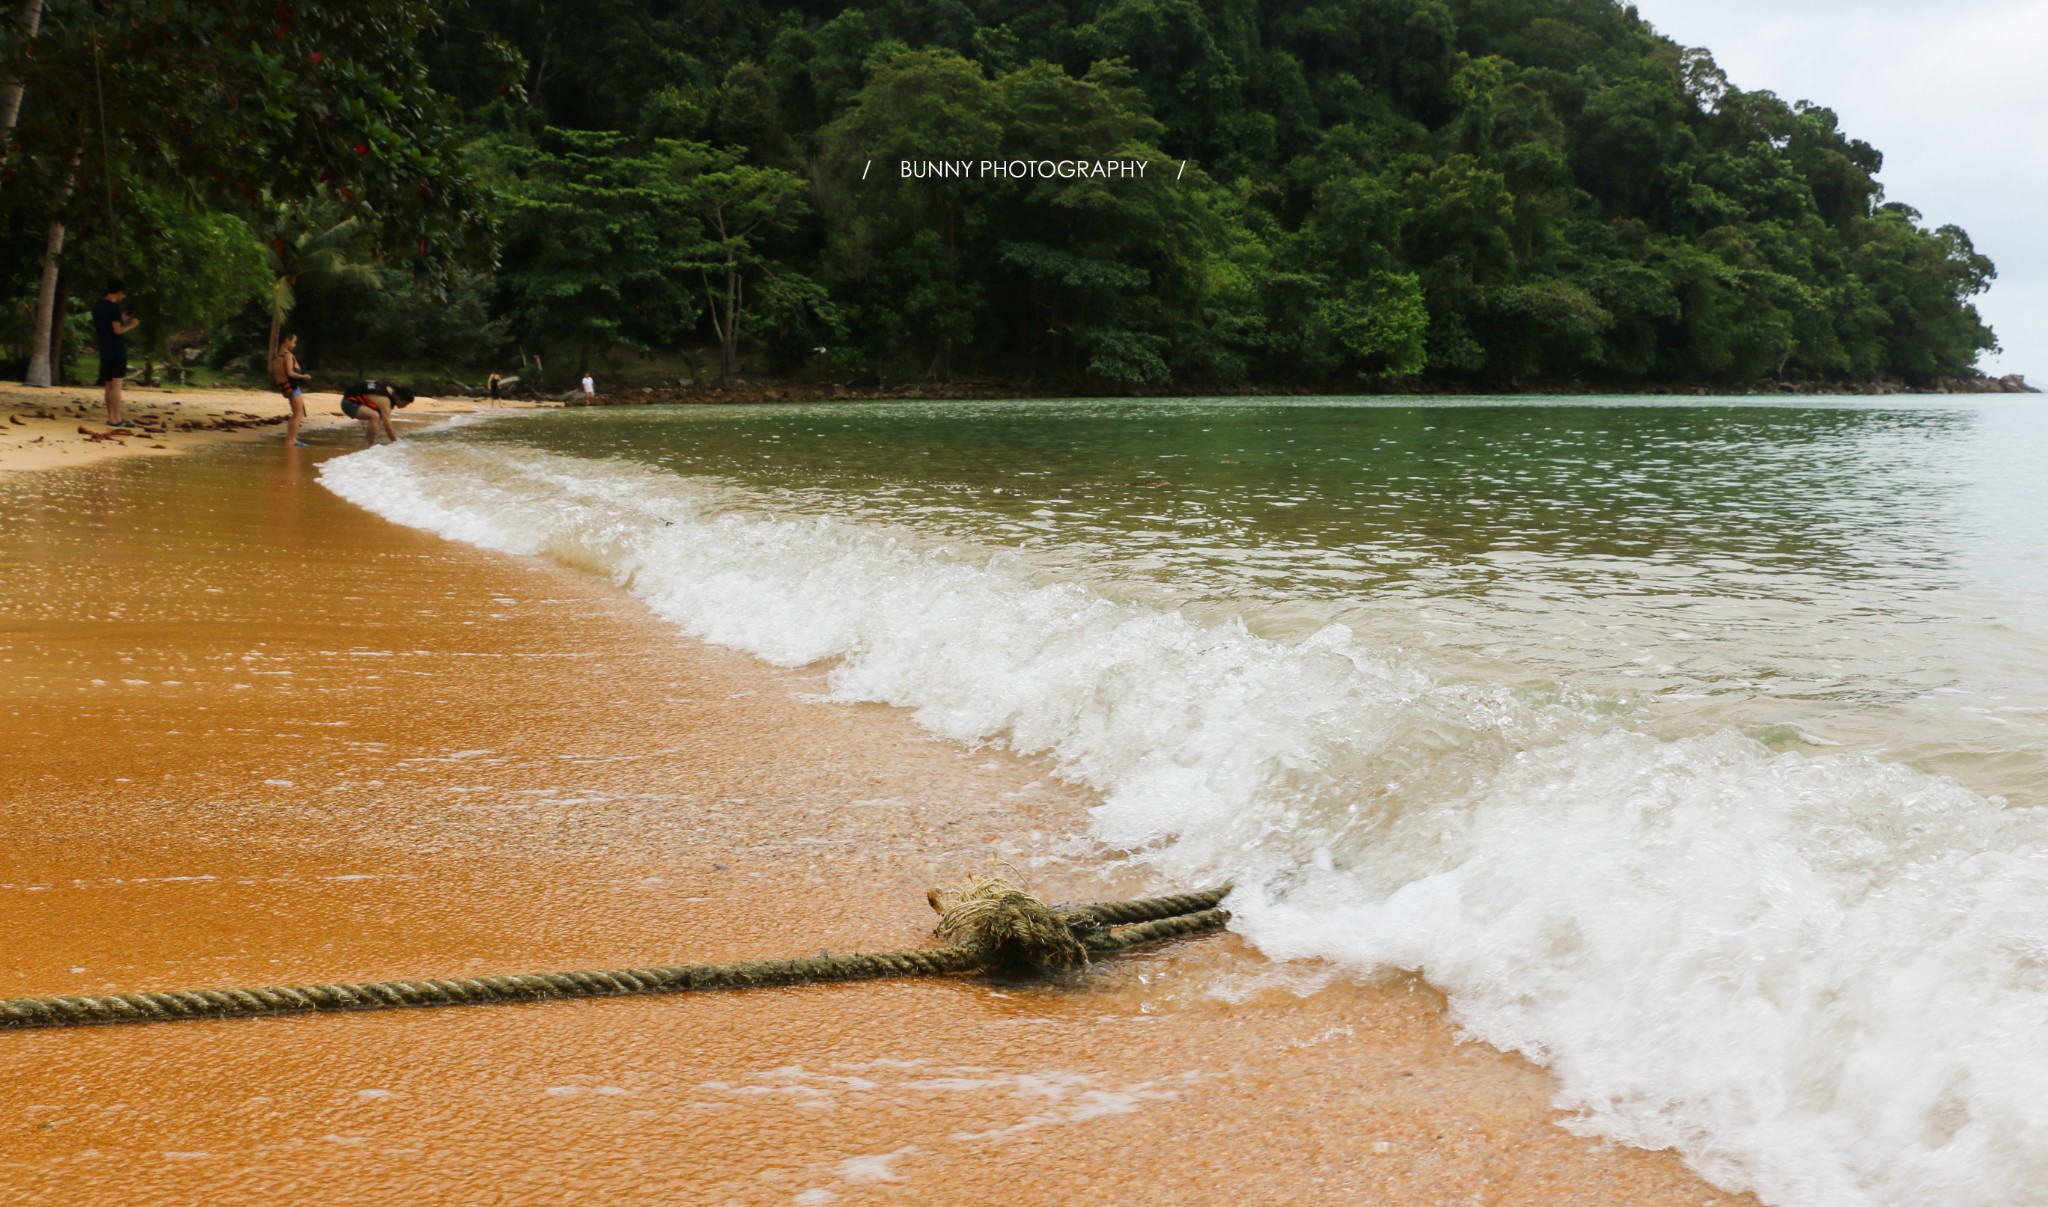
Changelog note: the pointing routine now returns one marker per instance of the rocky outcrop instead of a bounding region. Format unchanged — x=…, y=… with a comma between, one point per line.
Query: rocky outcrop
x=2011, y=383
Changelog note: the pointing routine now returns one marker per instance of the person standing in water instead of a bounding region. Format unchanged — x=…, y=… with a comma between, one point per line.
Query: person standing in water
x=372, y=402
x=589, y=389
x=110, y=328
x=290, y=379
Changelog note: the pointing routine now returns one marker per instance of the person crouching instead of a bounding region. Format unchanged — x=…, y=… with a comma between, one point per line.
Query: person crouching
x=372, y=402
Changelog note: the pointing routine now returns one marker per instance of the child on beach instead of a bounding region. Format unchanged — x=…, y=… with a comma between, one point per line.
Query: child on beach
x=373, y=401
x=290, y=379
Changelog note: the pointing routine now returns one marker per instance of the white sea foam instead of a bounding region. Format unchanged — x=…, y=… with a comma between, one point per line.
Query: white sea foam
x=1822, y=978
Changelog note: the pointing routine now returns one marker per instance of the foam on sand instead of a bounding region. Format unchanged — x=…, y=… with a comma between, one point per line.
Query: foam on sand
x=1822, y=978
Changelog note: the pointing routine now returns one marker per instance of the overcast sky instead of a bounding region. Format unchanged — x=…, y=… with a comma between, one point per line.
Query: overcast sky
x=1954, y=92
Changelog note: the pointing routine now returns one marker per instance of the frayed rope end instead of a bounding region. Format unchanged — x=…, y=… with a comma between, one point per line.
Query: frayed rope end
x=1014, y=927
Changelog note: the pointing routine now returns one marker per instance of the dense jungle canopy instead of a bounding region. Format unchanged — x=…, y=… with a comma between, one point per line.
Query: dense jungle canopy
x=1468, y=193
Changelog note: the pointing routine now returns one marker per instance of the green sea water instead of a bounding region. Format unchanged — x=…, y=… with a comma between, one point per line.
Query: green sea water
x=1835, y=574
x=1695, y=749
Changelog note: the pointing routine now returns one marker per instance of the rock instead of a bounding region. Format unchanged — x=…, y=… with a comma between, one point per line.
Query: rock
x=1982, y=383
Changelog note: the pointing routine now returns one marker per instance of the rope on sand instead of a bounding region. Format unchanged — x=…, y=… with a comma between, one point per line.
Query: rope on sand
x=995, y=928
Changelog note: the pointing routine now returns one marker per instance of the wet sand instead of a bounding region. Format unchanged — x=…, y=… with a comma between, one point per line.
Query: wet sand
x=255, y=735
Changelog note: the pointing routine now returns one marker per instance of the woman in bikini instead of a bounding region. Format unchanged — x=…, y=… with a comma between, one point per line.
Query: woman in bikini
x=291, y=379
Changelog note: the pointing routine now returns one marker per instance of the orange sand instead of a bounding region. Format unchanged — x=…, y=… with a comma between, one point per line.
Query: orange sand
x=254, y=735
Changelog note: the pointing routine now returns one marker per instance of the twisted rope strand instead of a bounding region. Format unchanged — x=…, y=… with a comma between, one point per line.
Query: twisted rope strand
x=1145, y=909
x=1095, y=925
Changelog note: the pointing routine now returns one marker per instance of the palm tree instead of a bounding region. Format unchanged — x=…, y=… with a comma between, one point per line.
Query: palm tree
x=309, y=244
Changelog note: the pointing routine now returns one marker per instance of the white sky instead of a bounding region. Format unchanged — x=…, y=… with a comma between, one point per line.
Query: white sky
x=1954, y=93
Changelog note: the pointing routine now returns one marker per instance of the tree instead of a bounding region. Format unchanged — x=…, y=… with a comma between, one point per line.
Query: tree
x=1922, y=285
x=602, y=246
x=909, y=252
x=310, y=245
x=1569, y=192
x=1564, y=190
x=27, y=22
x=742, y=208
x=191, y=94
x=42, y=362
x=197, y=270
x=1381, y=323
x=1127, y=270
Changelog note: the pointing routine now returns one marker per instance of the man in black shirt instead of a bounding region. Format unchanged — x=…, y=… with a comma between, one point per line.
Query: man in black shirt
x=110, y=328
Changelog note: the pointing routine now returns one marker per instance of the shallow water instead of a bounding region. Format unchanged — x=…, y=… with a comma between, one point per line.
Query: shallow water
x=1695, y=750
x=256, y=735
x=1834, y=574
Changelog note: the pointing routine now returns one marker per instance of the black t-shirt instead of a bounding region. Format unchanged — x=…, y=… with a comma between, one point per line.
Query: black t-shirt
x=113, y=345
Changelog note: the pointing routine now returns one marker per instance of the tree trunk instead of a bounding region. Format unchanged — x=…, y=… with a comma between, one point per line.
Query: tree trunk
x=46, y=307
x=57, y=364
x=728, y=330
x=738, y=282
x=711, y=308
x=944, y=362
x=31, y=20
x=46, y=296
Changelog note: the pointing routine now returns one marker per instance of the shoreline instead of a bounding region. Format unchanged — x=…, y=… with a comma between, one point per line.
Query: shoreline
x=347, y=750
x=66, y=425
x=745, y=391
x=61, y=426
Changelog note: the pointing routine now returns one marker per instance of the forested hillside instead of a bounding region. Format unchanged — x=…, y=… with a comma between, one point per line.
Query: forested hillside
x=1466, y=193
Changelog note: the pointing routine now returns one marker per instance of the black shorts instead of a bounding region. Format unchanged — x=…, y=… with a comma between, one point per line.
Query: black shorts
x=111, y=368
x=349, y=406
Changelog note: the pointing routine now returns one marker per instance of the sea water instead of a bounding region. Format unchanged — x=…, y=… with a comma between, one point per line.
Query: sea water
x=1697, y=751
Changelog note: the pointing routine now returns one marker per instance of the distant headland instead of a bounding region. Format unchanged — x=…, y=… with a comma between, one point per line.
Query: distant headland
x=1333, y=196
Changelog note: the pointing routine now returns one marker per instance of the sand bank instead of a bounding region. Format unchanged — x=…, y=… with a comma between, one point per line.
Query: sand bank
x=44, y=429
x=255, y=735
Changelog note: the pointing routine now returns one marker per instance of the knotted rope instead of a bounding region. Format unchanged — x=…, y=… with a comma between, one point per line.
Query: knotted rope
x=995, y=928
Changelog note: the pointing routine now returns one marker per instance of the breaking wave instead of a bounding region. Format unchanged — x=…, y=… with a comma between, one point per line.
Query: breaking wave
x=1822, y=978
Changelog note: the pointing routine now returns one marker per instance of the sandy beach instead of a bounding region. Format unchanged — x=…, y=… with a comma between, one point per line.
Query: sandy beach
x=66, y=425
x=257, y=735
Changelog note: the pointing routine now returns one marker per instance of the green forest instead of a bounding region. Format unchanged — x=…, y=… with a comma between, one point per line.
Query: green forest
x=1339, y=195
